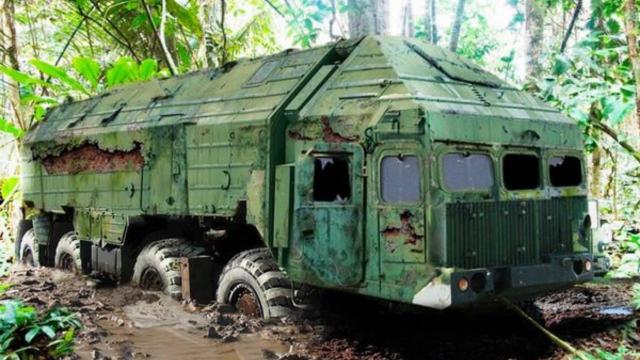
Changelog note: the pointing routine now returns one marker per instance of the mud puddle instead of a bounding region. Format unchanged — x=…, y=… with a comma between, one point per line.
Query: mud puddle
x=175, y=342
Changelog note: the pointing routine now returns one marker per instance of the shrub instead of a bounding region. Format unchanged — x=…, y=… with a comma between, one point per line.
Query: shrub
x=24, y=333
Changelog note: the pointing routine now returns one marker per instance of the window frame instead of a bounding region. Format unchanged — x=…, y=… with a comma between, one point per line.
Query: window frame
x=448, y=151
x=553, y=154
x=541, y=171
x=391, y=152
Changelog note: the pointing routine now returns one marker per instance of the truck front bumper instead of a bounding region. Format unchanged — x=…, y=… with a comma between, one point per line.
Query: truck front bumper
x=464, y=287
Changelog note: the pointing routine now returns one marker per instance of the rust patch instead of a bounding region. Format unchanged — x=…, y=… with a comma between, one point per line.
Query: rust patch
x=90, y=158
x=331, y=136
x=406, y=230
x=296, y=135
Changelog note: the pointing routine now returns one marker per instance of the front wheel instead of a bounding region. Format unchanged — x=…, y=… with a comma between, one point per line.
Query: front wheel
x=253, y=283
x=158, y=265
x=68, y=253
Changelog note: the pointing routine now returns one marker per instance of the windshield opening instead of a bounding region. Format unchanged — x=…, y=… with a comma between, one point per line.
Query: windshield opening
x=565, y=171
x=521, y=172
x=467, y=172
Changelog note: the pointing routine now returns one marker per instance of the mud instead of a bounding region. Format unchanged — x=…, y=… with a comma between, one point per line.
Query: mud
x=90, y=158
x=127, y=323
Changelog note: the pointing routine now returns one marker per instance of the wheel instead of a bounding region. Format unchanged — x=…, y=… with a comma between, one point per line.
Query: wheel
x=157, y=267
x=68, y=253
x=29, y=249
x=254, y=284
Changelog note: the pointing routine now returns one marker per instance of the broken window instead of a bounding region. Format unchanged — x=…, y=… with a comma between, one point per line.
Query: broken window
x=521, y=171
x=331, y=179
x=565, y=171
x=400, y=179
x=467, y=172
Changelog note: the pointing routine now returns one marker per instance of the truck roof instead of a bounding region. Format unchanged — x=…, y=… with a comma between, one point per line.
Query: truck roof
x=425, y=75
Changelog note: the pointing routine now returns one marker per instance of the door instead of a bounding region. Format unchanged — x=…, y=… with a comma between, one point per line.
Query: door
x=399, y=180
x=327, y=244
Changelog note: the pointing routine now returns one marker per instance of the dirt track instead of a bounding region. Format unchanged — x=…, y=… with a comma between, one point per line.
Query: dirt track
x=127, y=323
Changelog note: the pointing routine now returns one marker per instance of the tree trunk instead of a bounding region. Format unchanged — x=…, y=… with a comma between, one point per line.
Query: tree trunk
x=596, y=172
x=457, y=26
x=631, y=29
x=368, y=17
x=10, y=40
x=433, y=31
x=534, y=26
x=407, y=19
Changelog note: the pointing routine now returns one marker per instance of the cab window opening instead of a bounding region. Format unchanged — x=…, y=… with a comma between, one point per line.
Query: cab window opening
x=331, y=179
x=521, y=172
x=465, y=171
x=565, y=171
x=400, y=179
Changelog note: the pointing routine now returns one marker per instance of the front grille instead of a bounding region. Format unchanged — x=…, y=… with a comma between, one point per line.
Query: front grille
x=523, y=232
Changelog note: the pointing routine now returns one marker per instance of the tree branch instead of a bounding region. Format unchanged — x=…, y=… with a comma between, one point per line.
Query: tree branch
x=572, y=24
x=160, y=36
x=126, y=45
x=614, y=135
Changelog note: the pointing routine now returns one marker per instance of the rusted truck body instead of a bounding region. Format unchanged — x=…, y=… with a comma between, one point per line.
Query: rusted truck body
x=383, y=166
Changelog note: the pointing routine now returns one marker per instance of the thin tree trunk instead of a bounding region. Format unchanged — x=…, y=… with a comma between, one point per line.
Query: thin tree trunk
x=534, y=25
x=159, y=34
x=631, y=29
x=596, y=172
x=572, y=23
x=223, y=12
x=434, y=25
x=407, y=19
x=11, y=51
x=457, y=26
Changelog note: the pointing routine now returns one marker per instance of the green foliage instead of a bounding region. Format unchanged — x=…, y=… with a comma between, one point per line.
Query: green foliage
x=305, y=21
x=476, y=40
x=24, y=333
x=622, y=353
x=89, y=69
x=8, y=186
x=8, y=128
x=126, y=70
x=59, y=74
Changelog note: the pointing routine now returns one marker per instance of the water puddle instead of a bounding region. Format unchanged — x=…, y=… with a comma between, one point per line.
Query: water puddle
x=617, y=311
x=163, y=330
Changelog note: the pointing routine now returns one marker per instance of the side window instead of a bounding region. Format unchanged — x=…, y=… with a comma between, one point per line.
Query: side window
x=331, y=179
x=565, y=171
x=400, y=179
x=467, y=172
x=521, y=171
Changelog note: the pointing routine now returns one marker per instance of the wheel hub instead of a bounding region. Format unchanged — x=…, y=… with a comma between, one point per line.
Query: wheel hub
x=151, y=280
x=247, y=303
x=67, y=262
x=27, y=258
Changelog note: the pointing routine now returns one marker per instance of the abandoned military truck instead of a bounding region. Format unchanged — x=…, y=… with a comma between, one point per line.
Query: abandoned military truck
x=382, y=166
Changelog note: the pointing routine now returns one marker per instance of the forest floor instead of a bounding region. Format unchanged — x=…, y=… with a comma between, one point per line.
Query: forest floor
x=127, y=323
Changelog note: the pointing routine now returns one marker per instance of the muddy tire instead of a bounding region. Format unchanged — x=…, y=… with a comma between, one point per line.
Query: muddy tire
x=254, y=284
x=68, y=253
x=29, y=249
x=158, y=265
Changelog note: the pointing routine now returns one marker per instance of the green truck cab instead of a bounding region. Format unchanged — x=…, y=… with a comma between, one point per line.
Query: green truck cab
x=383, y=166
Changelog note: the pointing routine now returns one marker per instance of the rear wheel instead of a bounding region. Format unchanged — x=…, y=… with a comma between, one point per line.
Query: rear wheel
x=68, y=253
x=253, y=283
x=29, y=249
x=158, y=265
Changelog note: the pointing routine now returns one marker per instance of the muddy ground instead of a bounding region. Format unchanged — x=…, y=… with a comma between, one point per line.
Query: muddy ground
x=127, y=323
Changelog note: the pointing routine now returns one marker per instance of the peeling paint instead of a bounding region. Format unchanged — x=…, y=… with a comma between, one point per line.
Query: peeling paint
x=331, y=136
x=91, y=158
x=406, y=230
